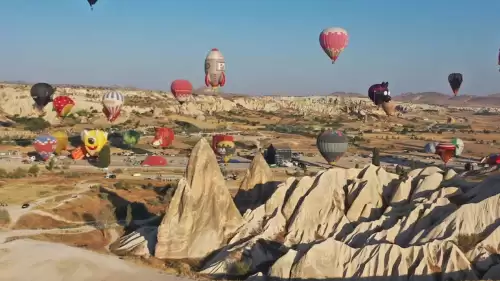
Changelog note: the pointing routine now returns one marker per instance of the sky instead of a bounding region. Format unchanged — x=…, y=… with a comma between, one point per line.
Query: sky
x=270, y=46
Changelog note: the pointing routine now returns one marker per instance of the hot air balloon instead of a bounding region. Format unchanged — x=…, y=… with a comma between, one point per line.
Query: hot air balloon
x=499, y=60
x=163, y=137
x=181, y=89
x=42, y=93
x=455, y=80
x=332, y=145
x=333, y=40
x=380, y=95
x=62, y=141
x=93, y=141
x=215, y=69
x=430, y=147
x=45, y=145
x=224, y=146
x=131, y=137
x=92, y=3
x=446, y=151
x=112, y=104
x=459, y=146
x=63, y=105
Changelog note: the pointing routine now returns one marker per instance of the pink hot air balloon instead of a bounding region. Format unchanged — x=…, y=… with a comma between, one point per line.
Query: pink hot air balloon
x=333, y=40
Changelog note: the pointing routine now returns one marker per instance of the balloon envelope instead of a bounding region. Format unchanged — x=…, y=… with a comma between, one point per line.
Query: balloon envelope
x=224, y=146
x=42, y=93
x=63, y=105
x=455, y=80
x=430, y=147
x=62, y=141
x=163, y=137
x=332, y=145
x=181, y=89
x=446, y=151
x=45, y=145
x=333, y=40
x=94, y=141
x=459, y=146
x=131, y=137
x=112, y=103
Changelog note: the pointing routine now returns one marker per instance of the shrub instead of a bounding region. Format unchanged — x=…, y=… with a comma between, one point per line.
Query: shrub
x=34, y=170
x=51, y=165
x=376, y=157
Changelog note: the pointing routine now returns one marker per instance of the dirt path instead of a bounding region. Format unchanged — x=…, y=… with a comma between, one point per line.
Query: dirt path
x=15, y=211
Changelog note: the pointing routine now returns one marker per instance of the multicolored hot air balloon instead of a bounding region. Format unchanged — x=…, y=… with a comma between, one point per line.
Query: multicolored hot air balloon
x=455, y=80
x=62, y=141
x=93, y=141
x=332, y=145
x=92, y=3
x=42, y=93
x=333, y=40
x=182, y=90
x=430, y=147
x=215, y=69
x=45, y=146
x=163, y=137
x=499, y=60
x=131, y=137
x=380, y=95
x=63, y=105
x=112, y=104
x=224, y=147
x=446, y=151
x=459, y=146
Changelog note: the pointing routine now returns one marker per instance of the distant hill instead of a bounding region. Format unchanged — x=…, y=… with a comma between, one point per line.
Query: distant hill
x=446, y=99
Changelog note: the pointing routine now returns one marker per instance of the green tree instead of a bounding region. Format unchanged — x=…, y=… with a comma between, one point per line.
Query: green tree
x=129, y=217
x=50, y=166
x=34, y=170
x=376, y=157
x=104, y=157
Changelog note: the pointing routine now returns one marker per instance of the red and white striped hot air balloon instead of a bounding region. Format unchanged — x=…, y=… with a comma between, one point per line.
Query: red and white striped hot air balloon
x=181, y=89
x=112, y=104
x=333, y=40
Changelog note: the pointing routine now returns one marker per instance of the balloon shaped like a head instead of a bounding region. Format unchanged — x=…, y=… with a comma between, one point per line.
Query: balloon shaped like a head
x=379, y=93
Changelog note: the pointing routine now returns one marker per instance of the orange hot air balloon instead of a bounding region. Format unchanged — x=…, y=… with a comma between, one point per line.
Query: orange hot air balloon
x=446, y=151
x=182, y=90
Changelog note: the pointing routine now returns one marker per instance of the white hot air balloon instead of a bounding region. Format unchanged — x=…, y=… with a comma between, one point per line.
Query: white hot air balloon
x=112, y=104
x=215, y=69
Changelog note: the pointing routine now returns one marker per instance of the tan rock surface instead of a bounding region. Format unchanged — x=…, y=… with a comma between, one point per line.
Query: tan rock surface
x=25, y=260
x=202, y=216
x=257, y=185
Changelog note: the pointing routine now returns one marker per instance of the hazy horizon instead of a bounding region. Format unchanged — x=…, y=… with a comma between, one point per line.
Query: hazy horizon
x=270, y=46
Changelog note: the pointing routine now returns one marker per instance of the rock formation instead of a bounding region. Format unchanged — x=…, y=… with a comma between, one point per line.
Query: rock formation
x=201, y=216
x=257, y=185
x=341, y=223
x=15, y=99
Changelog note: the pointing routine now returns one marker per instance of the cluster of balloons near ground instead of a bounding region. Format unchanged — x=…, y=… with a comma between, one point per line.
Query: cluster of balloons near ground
x=92, y=142
x=333, y=144
x=446, y=150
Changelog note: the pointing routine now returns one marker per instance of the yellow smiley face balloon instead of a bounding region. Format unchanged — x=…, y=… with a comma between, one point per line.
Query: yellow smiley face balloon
x=94, y=141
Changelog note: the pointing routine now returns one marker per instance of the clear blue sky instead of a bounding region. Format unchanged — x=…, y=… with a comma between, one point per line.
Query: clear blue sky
x=270, y=46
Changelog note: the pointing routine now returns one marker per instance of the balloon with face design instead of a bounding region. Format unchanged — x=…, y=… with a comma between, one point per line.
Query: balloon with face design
x=94, y=141
x=163, y=137
x=380, y=95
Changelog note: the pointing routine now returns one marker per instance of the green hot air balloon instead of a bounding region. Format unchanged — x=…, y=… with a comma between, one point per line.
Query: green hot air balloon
x=131, y=137
x=332, y=145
